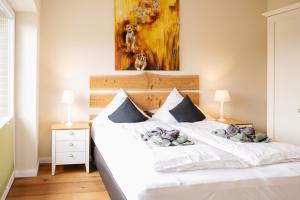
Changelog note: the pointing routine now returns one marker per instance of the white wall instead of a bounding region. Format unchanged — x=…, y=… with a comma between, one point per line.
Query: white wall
x=222, y=41
x=23, y=6
x=26, y=131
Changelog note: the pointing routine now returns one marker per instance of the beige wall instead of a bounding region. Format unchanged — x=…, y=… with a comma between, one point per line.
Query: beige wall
x=222, y=41
x=26, y=72
x=274, y=4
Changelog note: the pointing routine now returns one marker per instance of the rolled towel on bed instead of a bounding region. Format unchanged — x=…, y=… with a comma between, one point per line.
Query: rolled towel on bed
x=164, y=138
x=165, y=134
x=240, y=137
x=182, y=140
x=156, y=132
x=158, y=140
x=260, y=137
x=246, y=134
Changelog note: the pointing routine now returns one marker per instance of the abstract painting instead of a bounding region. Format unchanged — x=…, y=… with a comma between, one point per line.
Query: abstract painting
x=147, y=35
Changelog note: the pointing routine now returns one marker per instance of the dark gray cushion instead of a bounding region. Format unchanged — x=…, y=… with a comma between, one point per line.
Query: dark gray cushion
x=127, y=113
x=186, y=111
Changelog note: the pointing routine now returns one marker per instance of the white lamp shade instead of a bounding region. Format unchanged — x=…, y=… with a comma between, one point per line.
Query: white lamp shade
x=68, y=97
x=222, y=96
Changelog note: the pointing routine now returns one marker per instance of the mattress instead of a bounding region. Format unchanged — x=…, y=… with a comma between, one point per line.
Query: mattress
x=132, y=168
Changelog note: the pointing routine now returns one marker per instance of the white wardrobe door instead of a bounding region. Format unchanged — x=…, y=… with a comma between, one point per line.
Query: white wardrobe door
x=287, y=78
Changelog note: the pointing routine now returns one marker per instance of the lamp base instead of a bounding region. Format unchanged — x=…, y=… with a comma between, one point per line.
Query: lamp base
x=68, y=124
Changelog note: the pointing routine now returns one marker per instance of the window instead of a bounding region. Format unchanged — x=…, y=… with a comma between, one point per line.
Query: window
x=6, y=62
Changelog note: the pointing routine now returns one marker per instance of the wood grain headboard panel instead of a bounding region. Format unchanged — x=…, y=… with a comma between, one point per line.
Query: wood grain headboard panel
x=149, y=91
x=145, y=81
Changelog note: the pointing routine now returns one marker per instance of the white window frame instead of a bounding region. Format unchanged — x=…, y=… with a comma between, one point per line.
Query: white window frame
x=7, y=10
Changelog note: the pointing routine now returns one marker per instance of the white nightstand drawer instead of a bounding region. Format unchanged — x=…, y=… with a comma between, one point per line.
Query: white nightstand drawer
x=70, y=135
x=70, y=146
x=70, y=158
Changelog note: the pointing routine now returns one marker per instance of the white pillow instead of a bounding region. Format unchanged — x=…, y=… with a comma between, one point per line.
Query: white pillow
x=171, y=102
x=113, y=106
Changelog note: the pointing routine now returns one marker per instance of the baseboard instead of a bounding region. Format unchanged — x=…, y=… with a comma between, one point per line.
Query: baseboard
x=27, y=173
x=45, y=160
x=8, y=186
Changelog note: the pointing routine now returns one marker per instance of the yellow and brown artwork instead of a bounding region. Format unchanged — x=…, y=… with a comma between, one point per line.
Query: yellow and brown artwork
x=147, y=34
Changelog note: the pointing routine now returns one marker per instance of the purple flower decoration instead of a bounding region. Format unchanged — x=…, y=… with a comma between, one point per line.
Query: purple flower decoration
x=232, y=130
x=170, y=135
x=248, y=131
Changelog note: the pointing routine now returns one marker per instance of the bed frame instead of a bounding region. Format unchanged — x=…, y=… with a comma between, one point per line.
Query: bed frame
x=149, y=91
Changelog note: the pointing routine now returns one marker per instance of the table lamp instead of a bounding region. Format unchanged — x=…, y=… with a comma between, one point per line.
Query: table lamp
x=68, y=98
x=222, y=96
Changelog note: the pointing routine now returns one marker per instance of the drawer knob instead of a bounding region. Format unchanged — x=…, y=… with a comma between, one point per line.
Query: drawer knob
x=71, y=133
x=71, y=156
x=71, y=145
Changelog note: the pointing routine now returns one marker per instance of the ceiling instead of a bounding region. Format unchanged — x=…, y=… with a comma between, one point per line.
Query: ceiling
x=23, y=5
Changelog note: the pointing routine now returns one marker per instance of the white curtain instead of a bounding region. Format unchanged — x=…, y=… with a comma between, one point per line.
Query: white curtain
x=4, y=65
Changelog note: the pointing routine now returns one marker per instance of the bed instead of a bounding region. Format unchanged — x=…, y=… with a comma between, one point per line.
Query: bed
x=128, y=173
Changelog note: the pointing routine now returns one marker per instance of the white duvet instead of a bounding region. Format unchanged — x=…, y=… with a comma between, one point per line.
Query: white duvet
x=255, y=154
x=167, y=159
x=130, y=162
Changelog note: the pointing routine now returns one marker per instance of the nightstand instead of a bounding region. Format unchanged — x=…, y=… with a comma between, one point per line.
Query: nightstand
x=237, y=122
x=70, y=145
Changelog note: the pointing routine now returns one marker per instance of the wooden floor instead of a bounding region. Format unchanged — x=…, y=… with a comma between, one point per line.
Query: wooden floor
x=70, y=183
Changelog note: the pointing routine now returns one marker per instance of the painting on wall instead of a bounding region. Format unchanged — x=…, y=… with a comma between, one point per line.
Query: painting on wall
x=147, y=35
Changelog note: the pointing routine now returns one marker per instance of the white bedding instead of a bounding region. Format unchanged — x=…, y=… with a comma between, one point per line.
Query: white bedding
x=132, y=168
x=179, y=158
x=256, y=154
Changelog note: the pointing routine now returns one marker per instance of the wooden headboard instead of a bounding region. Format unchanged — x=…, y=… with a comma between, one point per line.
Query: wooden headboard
x=147, y=90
